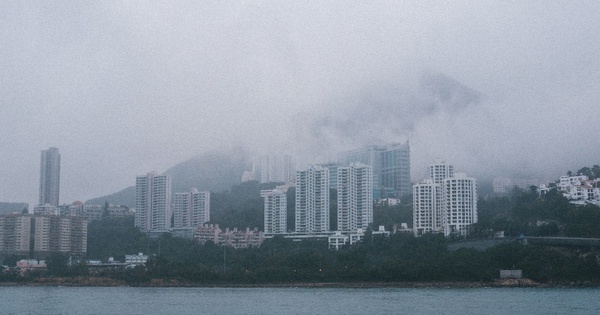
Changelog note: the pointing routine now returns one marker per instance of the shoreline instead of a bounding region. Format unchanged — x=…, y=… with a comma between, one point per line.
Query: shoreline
x=172, y=283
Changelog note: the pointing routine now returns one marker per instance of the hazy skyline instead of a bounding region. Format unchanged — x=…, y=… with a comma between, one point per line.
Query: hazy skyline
x=123, y=88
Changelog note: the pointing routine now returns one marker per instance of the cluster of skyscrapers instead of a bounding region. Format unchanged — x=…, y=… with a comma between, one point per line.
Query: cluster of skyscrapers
x=156, y=212
x=362, y=175
x=445, y=202
x=46, y=231
x=312, y=202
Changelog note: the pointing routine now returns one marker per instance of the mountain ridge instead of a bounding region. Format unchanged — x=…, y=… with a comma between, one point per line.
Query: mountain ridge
x=213, y=171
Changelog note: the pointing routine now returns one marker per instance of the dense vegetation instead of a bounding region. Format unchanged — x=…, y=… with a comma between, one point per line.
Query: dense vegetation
x=591, y=172
x=400, y=258
x=528, y=213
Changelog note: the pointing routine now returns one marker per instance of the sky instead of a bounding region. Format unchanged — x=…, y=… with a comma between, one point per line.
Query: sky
x=127, y=87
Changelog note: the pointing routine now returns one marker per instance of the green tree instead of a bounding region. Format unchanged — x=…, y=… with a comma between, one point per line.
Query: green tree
x=58, y=264
x=11, y=260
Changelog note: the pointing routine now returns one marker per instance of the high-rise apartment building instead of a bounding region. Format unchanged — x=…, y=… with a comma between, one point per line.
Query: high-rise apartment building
x=440, y=171
x=391, y=168
x=312, y=200
x=428, y=214
x=153, y=203
x=395, y=170
x=49, y=177
x=332, y=167
x=445, y=202
x=354, y=197
x=15, y=234
x=460, y=204
x=51, y=233
x=191, y=208
x=60, y=234
x=275, y=211
x=274, y=169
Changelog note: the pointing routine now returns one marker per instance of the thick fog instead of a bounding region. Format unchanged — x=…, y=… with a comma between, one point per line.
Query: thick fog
x=505, y=88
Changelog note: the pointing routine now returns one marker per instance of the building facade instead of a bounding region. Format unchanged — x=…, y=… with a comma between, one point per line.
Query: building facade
x=191, y=208
x=49, y=177
x=15, y=234
x=275, y=211
x=333, y=172
x=46, y=209
x=60, y=234
x=153, y=203
x=355, y=197
x=273, y=169
x=390, y=165
x=312, y=200
x=428, y=215
x=440, y=171
x=92, y=212
x=446, y=202
x=460, y=204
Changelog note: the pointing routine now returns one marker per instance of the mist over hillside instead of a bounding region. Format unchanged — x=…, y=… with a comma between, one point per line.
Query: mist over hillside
x=214, y=171
x=12, y=207
x=493, y=88
x=386, y=110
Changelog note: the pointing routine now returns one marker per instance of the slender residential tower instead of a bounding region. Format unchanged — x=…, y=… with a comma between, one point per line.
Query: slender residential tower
x=192, y=208
x=275, y=211
x=460, y=204
x=312, y=200
x=440, y=171
x=49, y=177
x=428, y=214
x=355, y=197
x=153, y=203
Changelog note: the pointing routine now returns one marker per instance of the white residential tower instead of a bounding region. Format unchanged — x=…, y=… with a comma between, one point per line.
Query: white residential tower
x=355, y=197
x=153, y=203
x=275, y=211
x=191, y=209
x=312, y=200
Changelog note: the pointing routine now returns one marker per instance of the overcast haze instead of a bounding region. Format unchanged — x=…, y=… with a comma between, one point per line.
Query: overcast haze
x=127, y=87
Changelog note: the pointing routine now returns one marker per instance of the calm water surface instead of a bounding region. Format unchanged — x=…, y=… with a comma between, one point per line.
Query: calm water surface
x=92, y=300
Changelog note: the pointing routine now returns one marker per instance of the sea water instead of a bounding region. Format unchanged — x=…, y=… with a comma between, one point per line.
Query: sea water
x=131, y=300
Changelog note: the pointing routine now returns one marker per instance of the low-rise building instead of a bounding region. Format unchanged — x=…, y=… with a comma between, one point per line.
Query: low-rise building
x=241, y=239
x=31, y=264
x=578, y=189
x=229, y=237
x=337, y=240
x=503, y=185
x=340, y=238
x=139, y=259
x=46, y=209
x=207, y=232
